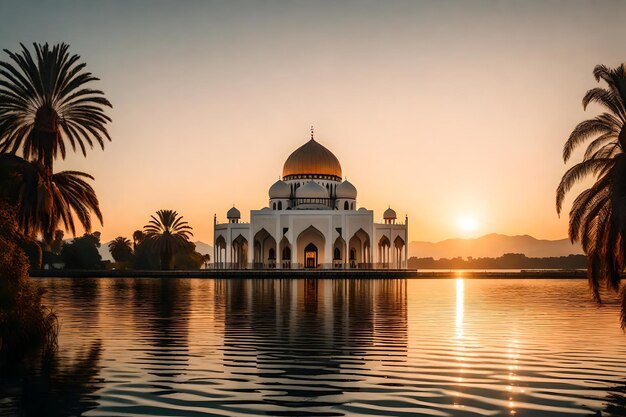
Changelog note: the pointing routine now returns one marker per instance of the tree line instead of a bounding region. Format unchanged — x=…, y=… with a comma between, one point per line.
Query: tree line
x=506, y=261
x=162, y=244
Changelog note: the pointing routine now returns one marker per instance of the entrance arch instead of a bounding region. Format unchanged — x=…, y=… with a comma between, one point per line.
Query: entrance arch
x=339, y=253
x=383, y=251
x=398, y=243
x=220, y=252
x=285, y=253
x=239, y=253
x=310, y=256
x=264, y=250
x=310, y=236
x=359, y=250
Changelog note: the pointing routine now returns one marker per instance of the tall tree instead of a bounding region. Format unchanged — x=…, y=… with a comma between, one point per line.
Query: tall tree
x=44, y=201
x=167, y=233
x=57, y=242
x=138, y=237
x=598, y=215
x=46, y=106
x=121, y=249
x=82, y=252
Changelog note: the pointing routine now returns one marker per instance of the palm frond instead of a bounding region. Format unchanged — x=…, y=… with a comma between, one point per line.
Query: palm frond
x=577, y=173
x=600, y=125
x=45, y=104
x=607, y=99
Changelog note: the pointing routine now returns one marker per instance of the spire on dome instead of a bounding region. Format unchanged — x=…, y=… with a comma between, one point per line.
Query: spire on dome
x=312, y=132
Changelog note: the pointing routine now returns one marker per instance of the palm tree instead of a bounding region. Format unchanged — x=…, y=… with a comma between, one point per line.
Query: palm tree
x=138, y=237
x=597, y=218
x=121, y=249
x=206, y=259
x=44, y=201
x=167, y=233
x=45, y=105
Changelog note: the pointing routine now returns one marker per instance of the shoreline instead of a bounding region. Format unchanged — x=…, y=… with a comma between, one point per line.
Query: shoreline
x=304, y=273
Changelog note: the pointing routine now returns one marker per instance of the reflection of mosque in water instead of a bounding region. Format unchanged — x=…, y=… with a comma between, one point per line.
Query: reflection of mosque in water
x=284, y=334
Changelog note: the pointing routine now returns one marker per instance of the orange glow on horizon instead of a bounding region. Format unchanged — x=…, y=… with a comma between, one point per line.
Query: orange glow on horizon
x=208, y=105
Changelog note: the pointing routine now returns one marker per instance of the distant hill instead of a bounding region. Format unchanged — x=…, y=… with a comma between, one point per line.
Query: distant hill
x=204, y=248
x=104, y=251
x=494, y=245
x=201, y=247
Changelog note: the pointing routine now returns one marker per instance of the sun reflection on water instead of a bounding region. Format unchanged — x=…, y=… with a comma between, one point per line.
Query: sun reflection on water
x=460, y=343
x=460, y=290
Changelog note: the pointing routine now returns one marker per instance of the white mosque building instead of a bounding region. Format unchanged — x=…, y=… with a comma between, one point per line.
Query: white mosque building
x=313, y=221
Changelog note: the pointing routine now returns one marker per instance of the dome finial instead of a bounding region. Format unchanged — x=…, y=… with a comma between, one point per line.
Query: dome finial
x=312, y=131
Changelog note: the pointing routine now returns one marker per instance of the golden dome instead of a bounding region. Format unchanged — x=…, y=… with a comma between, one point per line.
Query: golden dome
x=312, y=159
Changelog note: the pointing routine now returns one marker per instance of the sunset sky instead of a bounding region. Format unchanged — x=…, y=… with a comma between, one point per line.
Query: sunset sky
x=454, y=113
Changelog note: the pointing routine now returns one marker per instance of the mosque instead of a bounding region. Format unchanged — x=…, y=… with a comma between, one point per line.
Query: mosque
x=313, y=221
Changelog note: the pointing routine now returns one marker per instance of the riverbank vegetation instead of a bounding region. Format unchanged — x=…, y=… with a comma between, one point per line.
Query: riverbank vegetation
x=25, y=323
x=47, y=107
x=162, y=245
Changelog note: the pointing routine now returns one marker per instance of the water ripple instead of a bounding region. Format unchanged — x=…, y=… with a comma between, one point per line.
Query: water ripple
x=448, y=347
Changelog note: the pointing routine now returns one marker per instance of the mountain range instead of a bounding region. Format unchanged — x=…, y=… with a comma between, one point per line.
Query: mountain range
x=494, y=245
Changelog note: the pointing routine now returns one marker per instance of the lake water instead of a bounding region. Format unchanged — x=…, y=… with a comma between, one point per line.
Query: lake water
x=441, y=347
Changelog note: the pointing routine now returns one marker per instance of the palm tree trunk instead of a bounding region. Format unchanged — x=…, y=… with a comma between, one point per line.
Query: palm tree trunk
x=166, y=260
x=46, y=128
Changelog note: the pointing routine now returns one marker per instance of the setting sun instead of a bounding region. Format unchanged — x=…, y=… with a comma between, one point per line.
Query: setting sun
x=467, y=224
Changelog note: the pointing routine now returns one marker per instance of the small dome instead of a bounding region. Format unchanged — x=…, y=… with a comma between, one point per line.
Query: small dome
x=346, y=190
x=280, y=189
x=389, y=214
x=311, y=190
x=233, y=213
x=312, y=158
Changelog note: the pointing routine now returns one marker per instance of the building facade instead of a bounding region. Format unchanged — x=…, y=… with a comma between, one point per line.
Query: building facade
x=312, y=221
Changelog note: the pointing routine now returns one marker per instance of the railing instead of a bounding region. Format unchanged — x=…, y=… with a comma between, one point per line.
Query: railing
x=328, y=202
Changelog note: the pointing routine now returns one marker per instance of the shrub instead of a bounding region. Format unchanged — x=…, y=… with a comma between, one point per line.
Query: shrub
x=25, y=323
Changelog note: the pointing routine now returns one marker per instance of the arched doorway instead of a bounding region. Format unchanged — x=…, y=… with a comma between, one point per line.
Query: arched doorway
x=311, y=236
x=359, y=250
x=339, y=253
x=383, y=251
x=310, y=256
x=264, y=250
x=399, y=246
x=285, y=253
x=220, y=252
x=239, y=253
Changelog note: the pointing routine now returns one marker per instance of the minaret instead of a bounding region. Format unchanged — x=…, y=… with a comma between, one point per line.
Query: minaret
x=406, y=246
x=214, y=246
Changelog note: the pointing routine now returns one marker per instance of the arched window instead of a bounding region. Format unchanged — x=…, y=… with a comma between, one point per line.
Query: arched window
x=280, y=205
x=272, y=254
x=337, y=254
x=286, y=253
x=352, y=254
x=346, y=206
x=274, y=206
